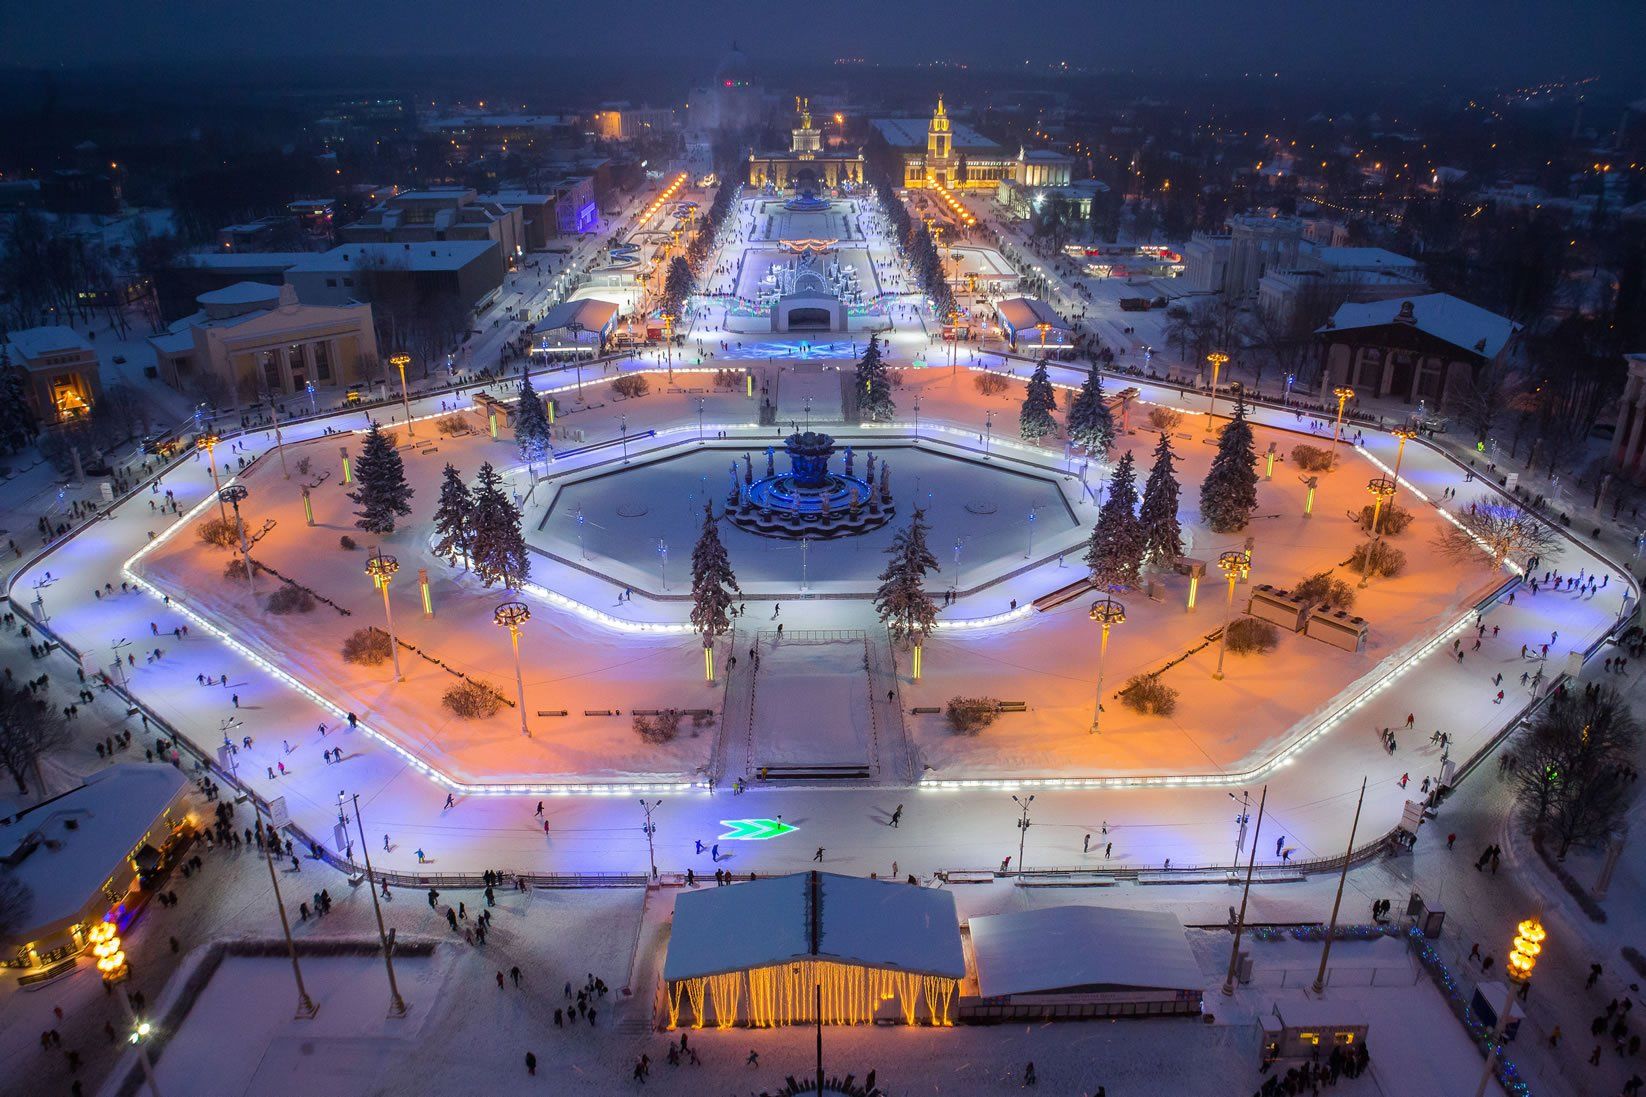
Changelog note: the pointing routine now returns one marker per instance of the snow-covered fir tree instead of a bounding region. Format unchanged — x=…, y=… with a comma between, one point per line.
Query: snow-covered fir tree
x=677, y=286
x=905, y=608
x=499, y=547
x=874, y=390
x=1229, y=492
x=18, y=426
x=531, y=425
x=1115, y=550
x=383, y=494
x=1162, y=534
x=1091, y=424
x=1035, y=420
x=454, y=517
x=713, y=583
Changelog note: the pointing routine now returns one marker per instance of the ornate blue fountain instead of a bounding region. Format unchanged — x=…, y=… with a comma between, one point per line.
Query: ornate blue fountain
x=810, y=500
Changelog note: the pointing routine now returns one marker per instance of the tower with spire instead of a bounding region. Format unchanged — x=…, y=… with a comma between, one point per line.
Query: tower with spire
x=940, y=166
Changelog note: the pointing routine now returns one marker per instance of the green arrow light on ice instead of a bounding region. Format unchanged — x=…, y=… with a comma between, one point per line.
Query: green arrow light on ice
x=754, y=830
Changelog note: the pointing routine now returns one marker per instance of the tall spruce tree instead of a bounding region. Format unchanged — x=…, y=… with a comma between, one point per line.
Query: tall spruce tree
x=874, y=390
x=713, y=583
x=1229, y=492
x=677, y=286
x=1162, y=534
x=1035, y=420
x=1091, y=424
x=18, y=426
x=905, y=608
x=383, y=494
x=1115, y=550
x=454, y=517
x=532, y=432
x=499, y=547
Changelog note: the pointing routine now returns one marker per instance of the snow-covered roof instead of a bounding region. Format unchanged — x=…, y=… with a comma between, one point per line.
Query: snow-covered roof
x=1447, y=318
x=870, y=923
x=1025, y=313
x=242, y=293
x=1082, y=948
x=1365, y=259
x=111, y=812
x=591, y=313
x=38, y=342
x=910, y=134
x=425, y=255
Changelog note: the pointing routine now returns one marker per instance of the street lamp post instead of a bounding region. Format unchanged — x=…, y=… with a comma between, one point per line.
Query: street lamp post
x=651, y=831
x=1381, y=488
x=917, y=417
x=401, y=361
x=1107, y=613
x=1245, y=816
x=511, y=615
x=1235, y=565
x=700, y=420
x=1342, y=878
x=279, y=441
x=381, y=568
x=1240, y=919
x=1405, y=434
x=233, y=494
x=208, y=442
x=306, y=1009
x=668, y=342
x=1216, y=358
x=120, y=660
x=1528, y=943
x=1022, y=828
x=623, y=429
x=988, y=433
x=1343, y=393
x=397, y=1004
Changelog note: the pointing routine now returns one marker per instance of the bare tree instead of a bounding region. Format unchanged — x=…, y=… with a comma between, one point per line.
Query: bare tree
x=1495, y=530
x=1484, y=401
x=29, y=728
x=1571, y=775
x=16, y=901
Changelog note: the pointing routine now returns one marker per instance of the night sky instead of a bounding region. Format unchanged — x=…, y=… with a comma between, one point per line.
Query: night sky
x=1425, y=40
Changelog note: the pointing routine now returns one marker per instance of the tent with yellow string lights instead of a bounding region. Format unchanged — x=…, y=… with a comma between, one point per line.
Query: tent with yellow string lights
x=776, y=951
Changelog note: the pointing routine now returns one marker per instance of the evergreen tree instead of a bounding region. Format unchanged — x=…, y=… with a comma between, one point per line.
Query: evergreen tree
x=383, y=494
x=531, y=425
x=874, y=391
x=905, y=608
x=677, y=286
x=18, y=425
x=499, y=548
x=1091, y=424
x=1162, y=535
x=1115, y=551
x=1229, y=492
x=713, y=584
x=1035, y=420
x=454, y=518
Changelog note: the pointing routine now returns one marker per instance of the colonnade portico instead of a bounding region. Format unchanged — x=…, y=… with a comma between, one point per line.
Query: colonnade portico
x=1627, y=442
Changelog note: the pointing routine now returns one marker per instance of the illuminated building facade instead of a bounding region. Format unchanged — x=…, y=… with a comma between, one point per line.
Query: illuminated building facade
x=948, y=156
x=805, y=164
x=60, y=372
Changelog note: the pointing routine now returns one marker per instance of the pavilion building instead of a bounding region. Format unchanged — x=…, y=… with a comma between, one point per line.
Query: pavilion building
x=805, y=165
x=1425, y=349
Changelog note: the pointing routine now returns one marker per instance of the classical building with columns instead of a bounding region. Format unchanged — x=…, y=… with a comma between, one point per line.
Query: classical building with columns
x=805, y=165
x=1629, y=443
x=1426, y=349
x=256, y=339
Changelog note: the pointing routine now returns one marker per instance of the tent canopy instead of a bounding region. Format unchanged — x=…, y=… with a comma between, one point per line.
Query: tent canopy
x=589, y=314
x=1024, y=314
x=763, y=923
x=1077, y=948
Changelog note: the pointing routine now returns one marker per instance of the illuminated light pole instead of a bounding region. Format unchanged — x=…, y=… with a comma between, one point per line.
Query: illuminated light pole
x=427, y=593
x=1107, y=613
x=1022, y=828
x=917, y=417
x=1216, y=358
x=401, y=361
x=1405, y=434
x=1240, y=919
x=306, y=1009
x=209, y=442
x=1310, y=482
x=381, y=568
x=1028, y=550
x=511, y=615
x=954, y=343
x=348, y=467
x=308, y=506
x=700, y=420
x=1343, y=393
x=988, y=434
x=120, y=660
x=1528, y=943
x=233, y=494
x=104, y=941
x=1381, y=489
x=663, y=557
x=1235, y=567
x=668, y=342
x=623, y=429
x=651, y=831
x=397, y=1004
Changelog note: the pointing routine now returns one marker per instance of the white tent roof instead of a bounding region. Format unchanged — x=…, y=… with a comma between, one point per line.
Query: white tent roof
x=1068, y=948
x=591, y=312
x=761, y=923
x=1024, y=313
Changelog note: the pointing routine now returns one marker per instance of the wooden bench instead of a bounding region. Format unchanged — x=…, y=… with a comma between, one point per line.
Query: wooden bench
x=968, y=877
x=551, y=712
